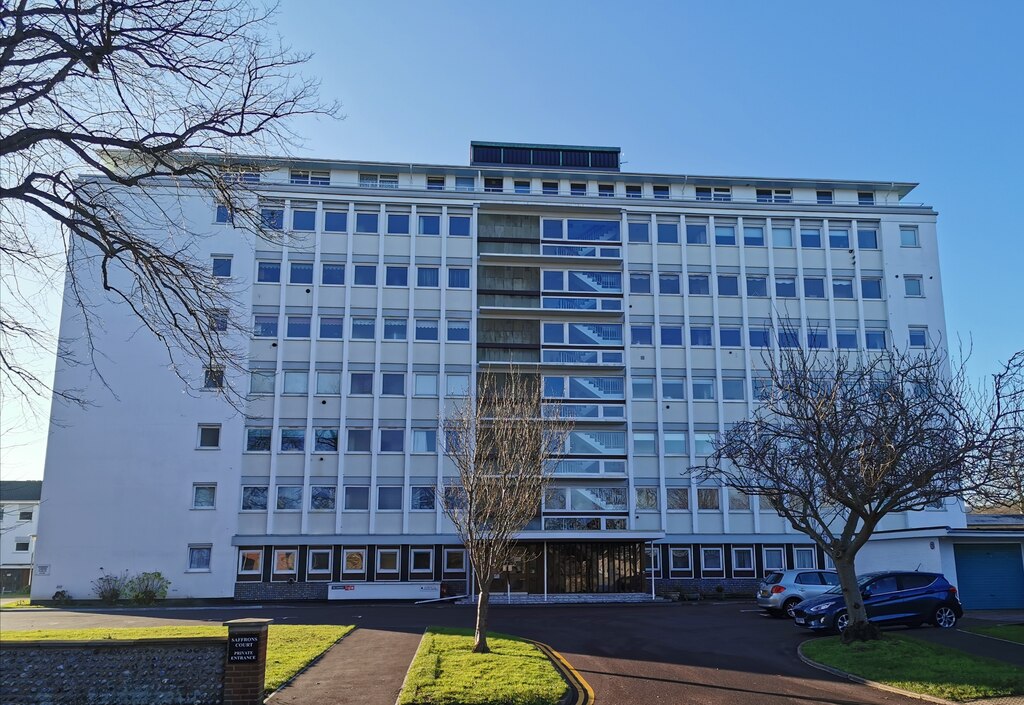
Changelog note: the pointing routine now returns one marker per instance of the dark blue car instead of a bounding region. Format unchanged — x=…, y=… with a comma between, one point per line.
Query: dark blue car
x=890, y=598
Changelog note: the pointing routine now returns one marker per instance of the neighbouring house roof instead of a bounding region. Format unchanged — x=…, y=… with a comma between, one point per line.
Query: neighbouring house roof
x=995, y=521
x=20, y=490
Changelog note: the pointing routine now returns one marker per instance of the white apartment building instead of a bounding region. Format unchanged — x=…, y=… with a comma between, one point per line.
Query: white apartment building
x=19, y=519
x=647, y=302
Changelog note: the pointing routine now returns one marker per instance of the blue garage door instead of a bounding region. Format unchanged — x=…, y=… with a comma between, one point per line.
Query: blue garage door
x=990, y=576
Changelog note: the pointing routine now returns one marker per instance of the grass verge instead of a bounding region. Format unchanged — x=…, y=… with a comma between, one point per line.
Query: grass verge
x=445, y=671
x=289, y=647
x=17, y=604
x=1010, y=632
x=920, y=667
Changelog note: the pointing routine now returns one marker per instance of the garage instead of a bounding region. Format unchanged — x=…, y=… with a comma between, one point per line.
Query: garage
x=990, y=576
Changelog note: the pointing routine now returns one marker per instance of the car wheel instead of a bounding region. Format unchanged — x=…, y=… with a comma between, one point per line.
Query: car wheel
x=788, y=606
x=944, y=618
x=842, y=622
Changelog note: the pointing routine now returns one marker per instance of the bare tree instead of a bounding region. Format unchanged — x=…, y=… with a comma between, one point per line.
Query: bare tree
x=151, y=98
x=504, y=448
x=840, y=442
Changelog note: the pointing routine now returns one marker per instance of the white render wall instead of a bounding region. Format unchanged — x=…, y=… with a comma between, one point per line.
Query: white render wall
x=119, y=473
x=14, y=530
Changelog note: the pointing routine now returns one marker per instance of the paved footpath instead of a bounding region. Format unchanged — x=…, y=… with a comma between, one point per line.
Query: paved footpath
x=366, y=668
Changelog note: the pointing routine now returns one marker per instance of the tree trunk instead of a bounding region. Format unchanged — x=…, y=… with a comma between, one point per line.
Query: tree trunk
x=480, y=633
x=859, y=629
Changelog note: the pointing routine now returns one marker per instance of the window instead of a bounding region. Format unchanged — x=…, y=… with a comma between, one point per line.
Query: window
x=295, y=382
x=493, y=184
x=427, y=277
x=549, y=188
x=699, y=284
x=743, y=559
x=908, y=237
x=426, y=329
x=645, y=443
x=250, y=561
x=424, y=440
x=675, y=443
x=643, y=387
x=817, y=339
x=918, y=337
x=782, y=237
x=636, y=232
x=361, y=383
x=913, y=286
x=824, y=198
x=284, y=560
x=421, y=560
x=213, y=378
x=842, y=288
x=325, y=440
x=272, y=218
x=639, y=283
x=839, y=239
x=785, y=287
x=753, y=236
x=359, y=440
x=254, y=498
x=668, y=284
x=606, y=190
x=293, y=440
x=758, y=338
x=331, y=327
x=204, y=496
x=738, y=501
x=389, y=499
x=328, y=383
x=734, y=389
x=378, y=180
x=678, y=498
x=668, y=233
x=395, y=328
x=303, y=220
x=425, y=385
x=454, y=560
x=874, y=339
x=367, y=223
x=435, y=183
x=422, y=498
x=223, y=214
x=696, y=234
x=364, y=328
x=458, y=278
x=222, y=267
x=209, y=436
x=335, y=221
x=679, y=559
x=846, y=339
x=289, y=498
x=465, y=183
x=789, y=338
x=396, y=276
x=268, y=272
x=814, y=287
x=524, y=187
x=730, y=337
x=257, y=440
x=302, y=177
x=671, y=387
x=810, y=237
x=354, y=560
x=199, y=557
x=703, y=389
x=366, y=275
x=458, y=331
x=430, y=225
x=458, y=225
x=757, y=286
x=703, y=443
x=457, y=385
x=672, y=335
x=867, y=239
x=577, y=189
x=298, y=326
x=393, y=384
x=332, y=274
x=708, y=498
x=661, y=190
x=647, y=499
x=728, y=285
x=320, y=560
x=652, y=559
x=804, y=558
x=700, y=336
x=725, y=234
x=866, y=198
x=711, y=559
x=356, y=498
x=641, y=335
x=398, y=224
x=634, y=191
x=871, y=288
x=392, y=440
x=714, y=193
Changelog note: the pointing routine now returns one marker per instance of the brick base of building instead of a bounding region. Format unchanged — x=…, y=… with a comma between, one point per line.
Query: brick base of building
x=262, y=592
x=707, y=587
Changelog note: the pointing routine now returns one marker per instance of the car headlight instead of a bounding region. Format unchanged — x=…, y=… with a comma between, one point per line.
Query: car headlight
x=822, y=607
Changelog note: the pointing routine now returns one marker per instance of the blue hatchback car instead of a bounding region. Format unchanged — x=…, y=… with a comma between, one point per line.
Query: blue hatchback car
x=891, y=597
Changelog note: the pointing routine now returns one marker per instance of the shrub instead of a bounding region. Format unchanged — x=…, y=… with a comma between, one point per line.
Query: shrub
x=147, y=588
x=62, y=597
x=110, y=587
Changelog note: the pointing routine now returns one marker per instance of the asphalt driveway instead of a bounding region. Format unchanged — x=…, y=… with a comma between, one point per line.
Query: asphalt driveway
x=709, y=653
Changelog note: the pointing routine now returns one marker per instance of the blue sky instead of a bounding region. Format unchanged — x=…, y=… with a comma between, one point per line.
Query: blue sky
x=931, y=92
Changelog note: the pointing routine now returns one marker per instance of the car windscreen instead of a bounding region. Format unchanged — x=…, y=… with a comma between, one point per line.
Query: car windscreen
x=861, y=582
x=772, y=578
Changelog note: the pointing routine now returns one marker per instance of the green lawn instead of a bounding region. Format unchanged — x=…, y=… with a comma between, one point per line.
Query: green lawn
x=445, y=671
x=919, y=666
x=289, y=648
x=18, y=604
x=1010, y=632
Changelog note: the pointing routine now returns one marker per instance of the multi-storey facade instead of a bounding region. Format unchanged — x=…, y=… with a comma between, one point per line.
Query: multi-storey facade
x=19, y=519
x=647, y=302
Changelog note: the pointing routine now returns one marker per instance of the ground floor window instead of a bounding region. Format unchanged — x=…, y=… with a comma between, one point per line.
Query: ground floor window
x=803, y=557
x=199, y=557
x=354, y=561
x=743, y=559
x=680, y=559
x=320, y=560
x=421, y=560
x=774, y=559
x=387, y=560
x=284, y=560
x=250, y=561
x=711, y=559
x=454, y=560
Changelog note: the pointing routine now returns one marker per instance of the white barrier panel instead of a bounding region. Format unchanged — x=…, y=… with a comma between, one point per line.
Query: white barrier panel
x=383, y=591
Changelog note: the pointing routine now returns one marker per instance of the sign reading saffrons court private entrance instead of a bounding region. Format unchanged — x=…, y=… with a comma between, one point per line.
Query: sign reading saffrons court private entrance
x=243, y=647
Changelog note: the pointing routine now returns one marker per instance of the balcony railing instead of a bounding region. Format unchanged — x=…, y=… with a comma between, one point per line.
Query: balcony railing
x=581, y=303
x=582, y=357
x=606, y=412
x=580, y=251
x=583, y=523
x=590, y=467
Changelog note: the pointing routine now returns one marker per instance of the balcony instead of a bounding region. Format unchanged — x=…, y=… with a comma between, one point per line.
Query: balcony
x=581, y=303
x=590, y=467
x=581, y=251
x=560, y=356
x=589, y=412
x=582, y=523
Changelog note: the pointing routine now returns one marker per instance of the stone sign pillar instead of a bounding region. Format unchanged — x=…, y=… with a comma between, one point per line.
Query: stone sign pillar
x=246, y=665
